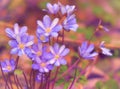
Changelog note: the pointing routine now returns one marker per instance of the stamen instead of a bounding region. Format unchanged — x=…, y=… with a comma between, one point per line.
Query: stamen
x=21, y=46
x=48, y=30
x=39, y=53
x=42, y=64
x=57, y=56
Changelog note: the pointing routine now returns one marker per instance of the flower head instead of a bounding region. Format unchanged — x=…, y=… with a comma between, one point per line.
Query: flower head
x=70, y=23
x=87, y=51
x=42, y=65
x=52, y=9
x=18, y=47
x=17, y=32
x=48, y=27
x=8, y=65
x=104, y=50
x=37, y=50
x=66, y=9
x=58, y=54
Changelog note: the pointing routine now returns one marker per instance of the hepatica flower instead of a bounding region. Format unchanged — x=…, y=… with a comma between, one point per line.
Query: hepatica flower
x=35, y=51
x=66, y=9
x=42, y=65
x=52, y=9
x=48, y=27
x=70, y=23
x=18, y=47
x=17, y=32
x=58, y=54
x=8, y=65
x=87, y=51
x=104, y=50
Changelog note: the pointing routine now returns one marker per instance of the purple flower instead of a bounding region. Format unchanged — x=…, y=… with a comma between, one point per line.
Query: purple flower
x=17, y=32
x=87, y=51
x=103, y=28
x=52, y=9
x=105, y=51
x=18, y=47
x=48, y=27
x=66, y=9
x=58, y=54
x=70, y=23
x=42, y=38
x=42, y=65
x=8, y=65
x=37, y=50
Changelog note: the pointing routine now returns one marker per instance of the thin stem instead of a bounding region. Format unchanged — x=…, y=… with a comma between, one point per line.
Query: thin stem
x=73, y=79
x=17, y=60
x=56, y=73
x=70, y=68
x=63, y=36
x=10, y=81
x=26, y=80
x=30, y=80
x=4, y=77
x=18, y=81
x=49, y=80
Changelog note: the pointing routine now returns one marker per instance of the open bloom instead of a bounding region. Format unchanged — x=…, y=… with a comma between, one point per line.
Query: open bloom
x=18, y=47
x=48, y=27
x=8, y=65
x=70, y=23
x=42, y=38
x=17, y=32
x=37, y=50
x=104, y=50
x=87, y=51
x=52, y=9
x=58, y=54
x=42, y=65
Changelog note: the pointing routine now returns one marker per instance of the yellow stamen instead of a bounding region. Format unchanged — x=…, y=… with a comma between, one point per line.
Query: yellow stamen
x=100, y=27
x=48, y=30
x=21, y=46
x=39, y=53
x=42, y=37
x=57, y=56
x=42, y=64
x=9, y=67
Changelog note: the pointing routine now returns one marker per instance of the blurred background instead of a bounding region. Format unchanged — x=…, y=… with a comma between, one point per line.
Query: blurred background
x=106, y=74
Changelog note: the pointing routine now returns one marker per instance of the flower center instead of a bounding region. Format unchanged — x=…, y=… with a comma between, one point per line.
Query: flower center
x=48, y=30
x=21, y=46
x=39, y=53
x=42, y=37
x=42, y=64
x=9, y=68
x=57, y=56
x=100, y=27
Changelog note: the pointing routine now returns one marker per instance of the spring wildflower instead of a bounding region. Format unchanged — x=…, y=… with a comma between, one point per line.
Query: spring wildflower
x=87, y=51
x=52, y=9
x=8, y=65
x=58, y=54
x=70, y=23
x=42, y=65
x=48, y=27
x=18, y=47
x=17, y=32
x=104, y=50
x=67, y=9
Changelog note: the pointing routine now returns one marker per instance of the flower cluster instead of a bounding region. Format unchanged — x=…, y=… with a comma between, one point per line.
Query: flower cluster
x=46, y=54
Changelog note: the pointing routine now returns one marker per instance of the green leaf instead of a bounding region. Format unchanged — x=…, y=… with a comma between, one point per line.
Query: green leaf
x=18, y=72
x=83, y=79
